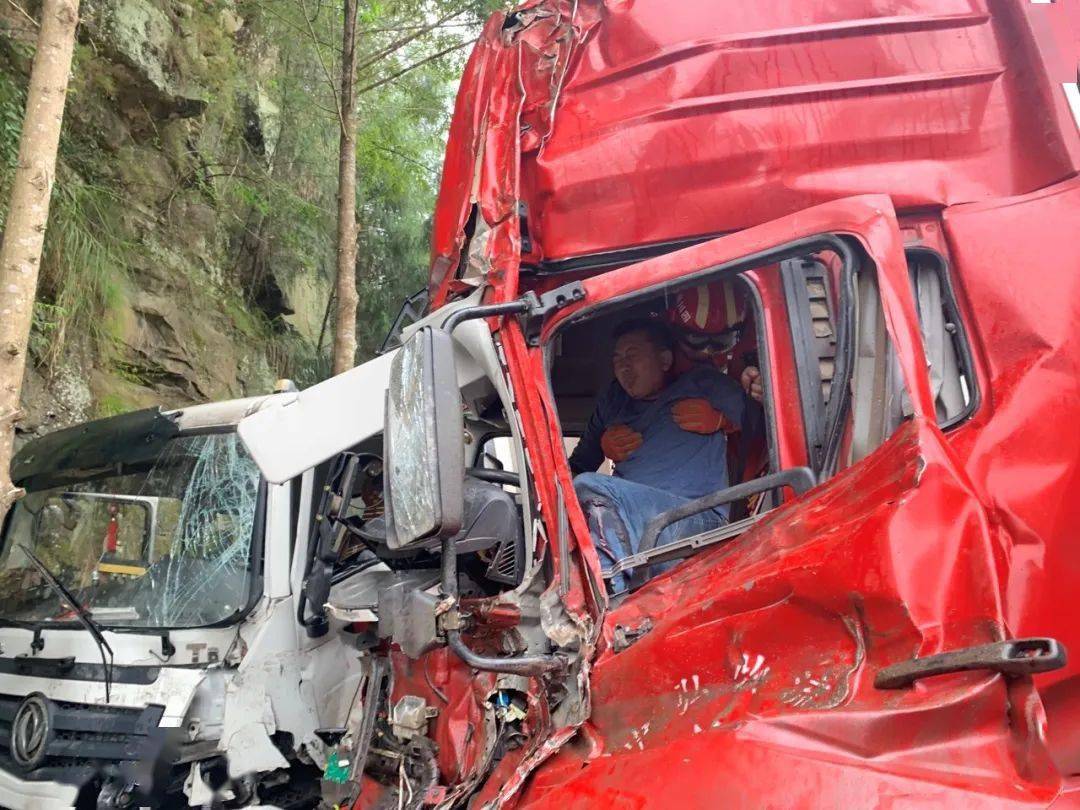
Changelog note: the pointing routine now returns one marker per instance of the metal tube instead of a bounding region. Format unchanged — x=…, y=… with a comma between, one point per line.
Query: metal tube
x=448, y=569
x=515, y=665
x=483, y=311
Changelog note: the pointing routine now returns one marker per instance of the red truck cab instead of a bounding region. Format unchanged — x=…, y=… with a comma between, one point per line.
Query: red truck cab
x=894, y=191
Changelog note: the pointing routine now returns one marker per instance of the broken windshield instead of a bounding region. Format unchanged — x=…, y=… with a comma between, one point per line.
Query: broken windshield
x=163, y=543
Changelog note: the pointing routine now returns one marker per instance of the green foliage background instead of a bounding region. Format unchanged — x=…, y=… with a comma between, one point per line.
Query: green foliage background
x=219, y=213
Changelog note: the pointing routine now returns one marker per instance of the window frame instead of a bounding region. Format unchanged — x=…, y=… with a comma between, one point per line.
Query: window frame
x=845, y=247
x=815, y=408
x=961, y=338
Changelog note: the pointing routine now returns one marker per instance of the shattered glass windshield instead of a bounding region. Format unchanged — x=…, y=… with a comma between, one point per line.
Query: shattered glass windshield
x=164, y=543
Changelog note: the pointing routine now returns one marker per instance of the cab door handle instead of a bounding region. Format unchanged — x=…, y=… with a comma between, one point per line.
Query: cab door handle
x=1015, y=658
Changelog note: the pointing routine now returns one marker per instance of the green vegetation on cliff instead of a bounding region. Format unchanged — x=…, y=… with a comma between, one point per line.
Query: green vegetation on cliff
x=190, y=248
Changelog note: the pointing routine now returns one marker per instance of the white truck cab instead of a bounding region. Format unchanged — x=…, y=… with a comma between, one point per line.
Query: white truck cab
x=176, y=629
x=179, y=676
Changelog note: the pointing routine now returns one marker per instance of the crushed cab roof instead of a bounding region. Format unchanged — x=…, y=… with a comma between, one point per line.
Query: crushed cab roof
x=620, y=124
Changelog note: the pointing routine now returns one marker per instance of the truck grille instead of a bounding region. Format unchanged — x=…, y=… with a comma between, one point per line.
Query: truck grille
x=82, y=737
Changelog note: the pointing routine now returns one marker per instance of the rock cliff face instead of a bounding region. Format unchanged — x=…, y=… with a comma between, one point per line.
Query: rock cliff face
x=171, y=107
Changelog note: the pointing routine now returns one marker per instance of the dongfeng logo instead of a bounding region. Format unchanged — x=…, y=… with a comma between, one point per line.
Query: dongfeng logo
x=30, y=731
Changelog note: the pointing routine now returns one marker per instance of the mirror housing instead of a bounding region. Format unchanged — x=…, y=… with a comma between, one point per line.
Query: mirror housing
x=289, y=434
x=424, y=452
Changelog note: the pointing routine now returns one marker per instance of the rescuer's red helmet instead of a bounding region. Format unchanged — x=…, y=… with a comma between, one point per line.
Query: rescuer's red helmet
x=708, y=319
x=709, y=308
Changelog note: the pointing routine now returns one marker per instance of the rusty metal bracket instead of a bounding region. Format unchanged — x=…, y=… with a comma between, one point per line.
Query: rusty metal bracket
x=1016, y=658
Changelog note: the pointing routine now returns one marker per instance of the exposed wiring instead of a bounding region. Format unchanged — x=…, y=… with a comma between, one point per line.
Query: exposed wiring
x=427, y=677
x=403, y=782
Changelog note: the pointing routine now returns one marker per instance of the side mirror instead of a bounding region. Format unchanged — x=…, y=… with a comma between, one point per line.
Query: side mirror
x=424, y=446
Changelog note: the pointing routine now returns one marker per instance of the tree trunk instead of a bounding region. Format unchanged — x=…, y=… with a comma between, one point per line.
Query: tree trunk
x=24, y=233
x=345, y=324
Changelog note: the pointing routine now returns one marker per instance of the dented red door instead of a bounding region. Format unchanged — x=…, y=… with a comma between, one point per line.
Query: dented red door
x=1018, y=260
x=755, y=684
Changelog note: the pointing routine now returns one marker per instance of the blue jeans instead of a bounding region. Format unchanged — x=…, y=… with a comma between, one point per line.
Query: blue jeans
x=619, y=510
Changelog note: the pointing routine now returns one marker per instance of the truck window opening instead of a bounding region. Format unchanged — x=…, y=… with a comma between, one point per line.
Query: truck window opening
x=713, y=331
x=717, y=330
x=948, y=352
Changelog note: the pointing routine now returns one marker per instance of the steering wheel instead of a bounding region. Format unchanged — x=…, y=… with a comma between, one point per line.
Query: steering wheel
x=494, y=476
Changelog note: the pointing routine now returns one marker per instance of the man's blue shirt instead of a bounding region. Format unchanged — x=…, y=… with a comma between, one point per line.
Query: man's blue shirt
x=669, y=458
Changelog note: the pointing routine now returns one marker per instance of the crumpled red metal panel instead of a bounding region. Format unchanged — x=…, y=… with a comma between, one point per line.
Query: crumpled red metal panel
x=1018, y=263
x=506, y=99
x=459, y=695
x=755, y=682
x=464, y=151
x=620, y=124
x=518, y=60
x=551, y=33
x=723, y=116
x=762, y=653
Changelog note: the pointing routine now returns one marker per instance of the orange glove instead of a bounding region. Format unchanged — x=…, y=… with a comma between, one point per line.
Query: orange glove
x=751, y=383
x=699, y=416
x=619, y=441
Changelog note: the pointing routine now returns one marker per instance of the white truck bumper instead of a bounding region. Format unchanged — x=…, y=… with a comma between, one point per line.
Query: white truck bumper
x=18, y=794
